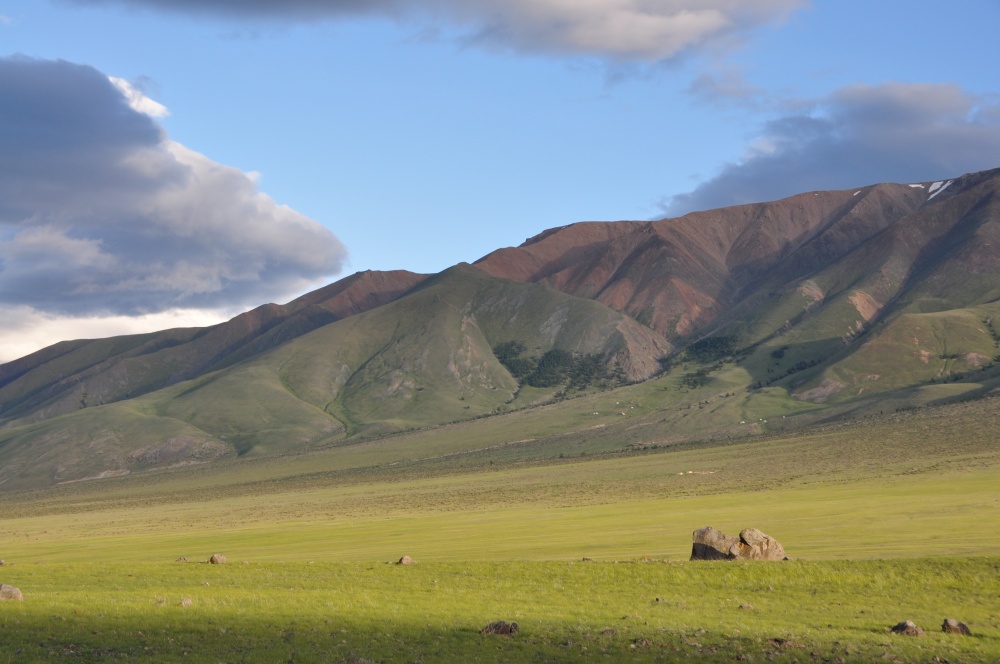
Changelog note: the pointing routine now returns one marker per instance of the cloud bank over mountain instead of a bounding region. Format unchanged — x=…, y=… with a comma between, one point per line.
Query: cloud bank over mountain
x=619, y=29
x=101, y=213
x=901, y=132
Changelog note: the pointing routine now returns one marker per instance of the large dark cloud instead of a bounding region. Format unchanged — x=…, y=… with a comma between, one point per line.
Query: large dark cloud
x=859, y=135
x=101, y=213
x=623, y=29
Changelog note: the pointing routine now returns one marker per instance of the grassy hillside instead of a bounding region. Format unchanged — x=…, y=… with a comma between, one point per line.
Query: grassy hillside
x=913, y=483
x=424, y=359
x=886, y=518
x=73, y=375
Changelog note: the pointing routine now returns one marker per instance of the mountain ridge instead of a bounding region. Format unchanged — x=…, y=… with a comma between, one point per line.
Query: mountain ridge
x=809, y=301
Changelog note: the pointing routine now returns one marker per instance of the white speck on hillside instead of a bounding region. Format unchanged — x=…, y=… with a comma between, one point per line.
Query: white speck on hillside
x=917, y=186
x=857, y=192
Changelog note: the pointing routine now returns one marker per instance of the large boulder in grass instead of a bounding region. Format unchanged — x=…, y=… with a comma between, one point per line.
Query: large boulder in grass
x=217, y=559
x=10, y=593
x=752, y=544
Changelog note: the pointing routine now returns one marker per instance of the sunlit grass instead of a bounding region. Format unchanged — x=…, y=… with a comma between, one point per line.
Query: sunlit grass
x=885, y=519
x=432, y=612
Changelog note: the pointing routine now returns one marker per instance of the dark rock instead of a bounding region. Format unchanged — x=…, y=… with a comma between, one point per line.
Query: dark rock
x=405, y=560
x=10, y=593
x=752, y=544
x=500, y=627
x=217, y=559
x=712, y=544
x=952, y=626
x=907, y=628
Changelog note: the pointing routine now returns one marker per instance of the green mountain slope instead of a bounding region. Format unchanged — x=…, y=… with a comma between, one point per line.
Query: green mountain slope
x=911, y=306
x=79, y=374
x=424, y=359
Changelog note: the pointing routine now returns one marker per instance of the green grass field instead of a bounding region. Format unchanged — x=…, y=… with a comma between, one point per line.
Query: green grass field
x=566, y=611
x=886, y=518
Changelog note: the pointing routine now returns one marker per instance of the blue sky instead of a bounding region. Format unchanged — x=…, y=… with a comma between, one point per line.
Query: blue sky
x=292, y=143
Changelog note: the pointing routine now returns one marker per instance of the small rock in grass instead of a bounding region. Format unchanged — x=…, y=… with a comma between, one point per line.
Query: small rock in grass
x=182, y=559
x=10, y=593
x=501, y=627
x=746, y=607
x=952, y=626
x=585, y=559
x=186, y=601
x=907, y=628
x=217, y=559
x=2, y=563
x=405, y=560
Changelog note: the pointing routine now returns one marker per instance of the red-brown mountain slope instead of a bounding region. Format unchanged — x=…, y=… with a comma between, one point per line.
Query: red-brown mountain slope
x=680, y=275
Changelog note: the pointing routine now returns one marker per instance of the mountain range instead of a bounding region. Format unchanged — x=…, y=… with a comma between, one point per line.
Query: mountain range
x=821, y=299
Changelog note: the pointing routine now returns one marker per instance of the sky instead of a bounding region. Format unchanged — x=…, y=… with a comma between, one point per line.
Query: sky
x=169, y=163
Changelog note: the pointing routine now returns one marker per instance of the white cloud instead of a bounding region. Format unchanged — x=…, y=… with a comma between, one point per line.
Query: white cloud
x=620, y=29
x=101, y=214
x=23, y=330
x=138, y=101
x=859, y=135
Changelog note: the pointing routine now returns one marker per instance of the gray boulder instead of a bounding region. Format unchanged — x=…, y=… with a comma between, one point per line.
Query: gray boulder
x=10, y=593
x=752, y=544
x=712, y=544
x=907, y=628
x=952, y=626
x=217, y=559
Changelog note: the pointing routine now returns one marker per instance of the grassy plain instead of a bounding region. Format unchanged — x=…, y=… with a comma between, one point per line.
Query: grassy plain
x=886, y=517
x=566, y=611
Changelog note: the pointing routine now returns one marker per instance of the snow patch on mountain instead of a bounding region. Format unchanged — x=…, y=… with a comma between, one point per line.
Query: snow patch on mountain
x=937, y=188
